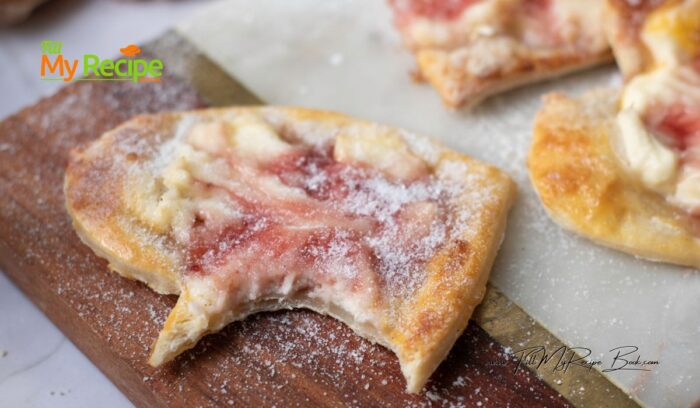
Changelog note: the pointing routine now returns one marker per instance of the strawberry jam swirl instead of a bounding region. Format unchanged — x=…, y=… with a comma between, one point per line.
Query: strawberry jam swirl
x=678, y=127
x=659, y=117
x=449, y=10
x=301, y=219
x=444, y=10
x=451, y=24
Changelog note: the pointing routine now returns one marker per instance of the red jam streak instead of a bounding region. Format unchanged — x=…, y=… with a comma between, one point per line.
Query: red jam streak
x=541, y=27
x=536, y=8
x=296, y=169
x=678, y=124
x=679, y=128
x=444, y=10
x=328, y=225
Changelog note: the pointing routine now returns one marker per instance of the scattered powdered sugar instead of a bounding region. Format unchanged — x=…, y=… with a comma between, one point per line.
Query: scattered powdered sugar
x=382, y=199
x=414, y=219
x=402, y=223
x=338, y=253
x=267, y=352
x=427, y=149
x=283, y=353
x=7, y=147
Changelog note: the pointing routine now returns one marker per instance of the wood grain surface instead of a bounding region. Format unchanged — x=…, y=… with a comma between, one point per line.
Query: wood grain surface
x=290, y=358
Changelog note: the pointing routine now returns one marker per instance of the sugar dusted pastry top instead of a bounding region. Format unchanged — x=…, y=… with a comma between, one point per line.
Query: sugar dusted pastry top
x=451, y=24
x=247, y=209
x=623, y=170
x=470, y=49
x=585, y=187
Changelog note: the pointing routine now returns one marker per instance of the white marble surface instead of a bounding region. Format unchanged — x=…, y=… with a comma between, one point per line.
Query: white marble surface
x=344, y=55
x=39, y=367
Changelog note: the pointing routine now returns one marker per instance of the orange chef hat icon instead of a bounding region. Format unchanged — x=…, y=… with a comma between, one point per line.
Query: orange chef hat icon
x=130, y=50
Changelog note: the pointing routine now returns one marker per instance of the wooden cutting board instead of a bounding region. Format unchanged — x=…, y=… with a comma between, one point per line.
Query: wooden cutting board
x=291, y=358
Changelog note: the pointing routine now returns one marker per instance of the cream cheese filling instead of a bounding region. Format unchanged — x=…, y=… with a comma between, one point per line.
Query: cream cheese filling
x=672, y=82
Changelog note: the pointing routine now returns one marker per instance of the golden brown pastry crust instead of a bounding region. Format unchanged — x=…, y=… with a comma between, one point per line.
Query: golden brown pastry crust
x=420, y=329
x=104, y=224
x=457, y=87
x=466, y=63
x=580, y=182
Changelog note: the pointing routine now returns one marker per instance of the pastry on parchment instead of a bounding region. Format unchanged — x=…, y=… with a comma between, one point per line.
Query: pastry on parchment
x=624, y=168
x=242, y=210
x=471, y=49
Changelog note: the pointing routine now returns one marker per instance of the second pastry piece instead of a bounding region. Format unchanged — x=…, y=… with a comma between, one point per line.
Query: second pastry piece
x=624, y=169
x=471, y=49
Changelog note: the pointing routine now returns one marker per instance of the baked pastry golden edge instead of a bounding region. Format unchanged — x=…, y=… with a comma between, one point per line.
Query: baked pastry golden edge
x=431, y=322
x=101, y=225
x=458, y=90
x=584, y=187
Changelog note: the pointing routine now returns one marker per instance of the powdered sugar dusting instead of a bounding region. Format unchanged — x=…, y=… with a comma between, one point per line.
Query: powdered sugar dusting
x=268, y=359
x=374, y=224
x=400, y=263
x=414, y=220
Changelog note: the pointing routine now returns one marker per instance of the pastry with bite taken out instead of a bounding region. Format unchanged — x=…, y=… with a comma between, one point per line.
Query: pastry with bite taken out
x=243, y=210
